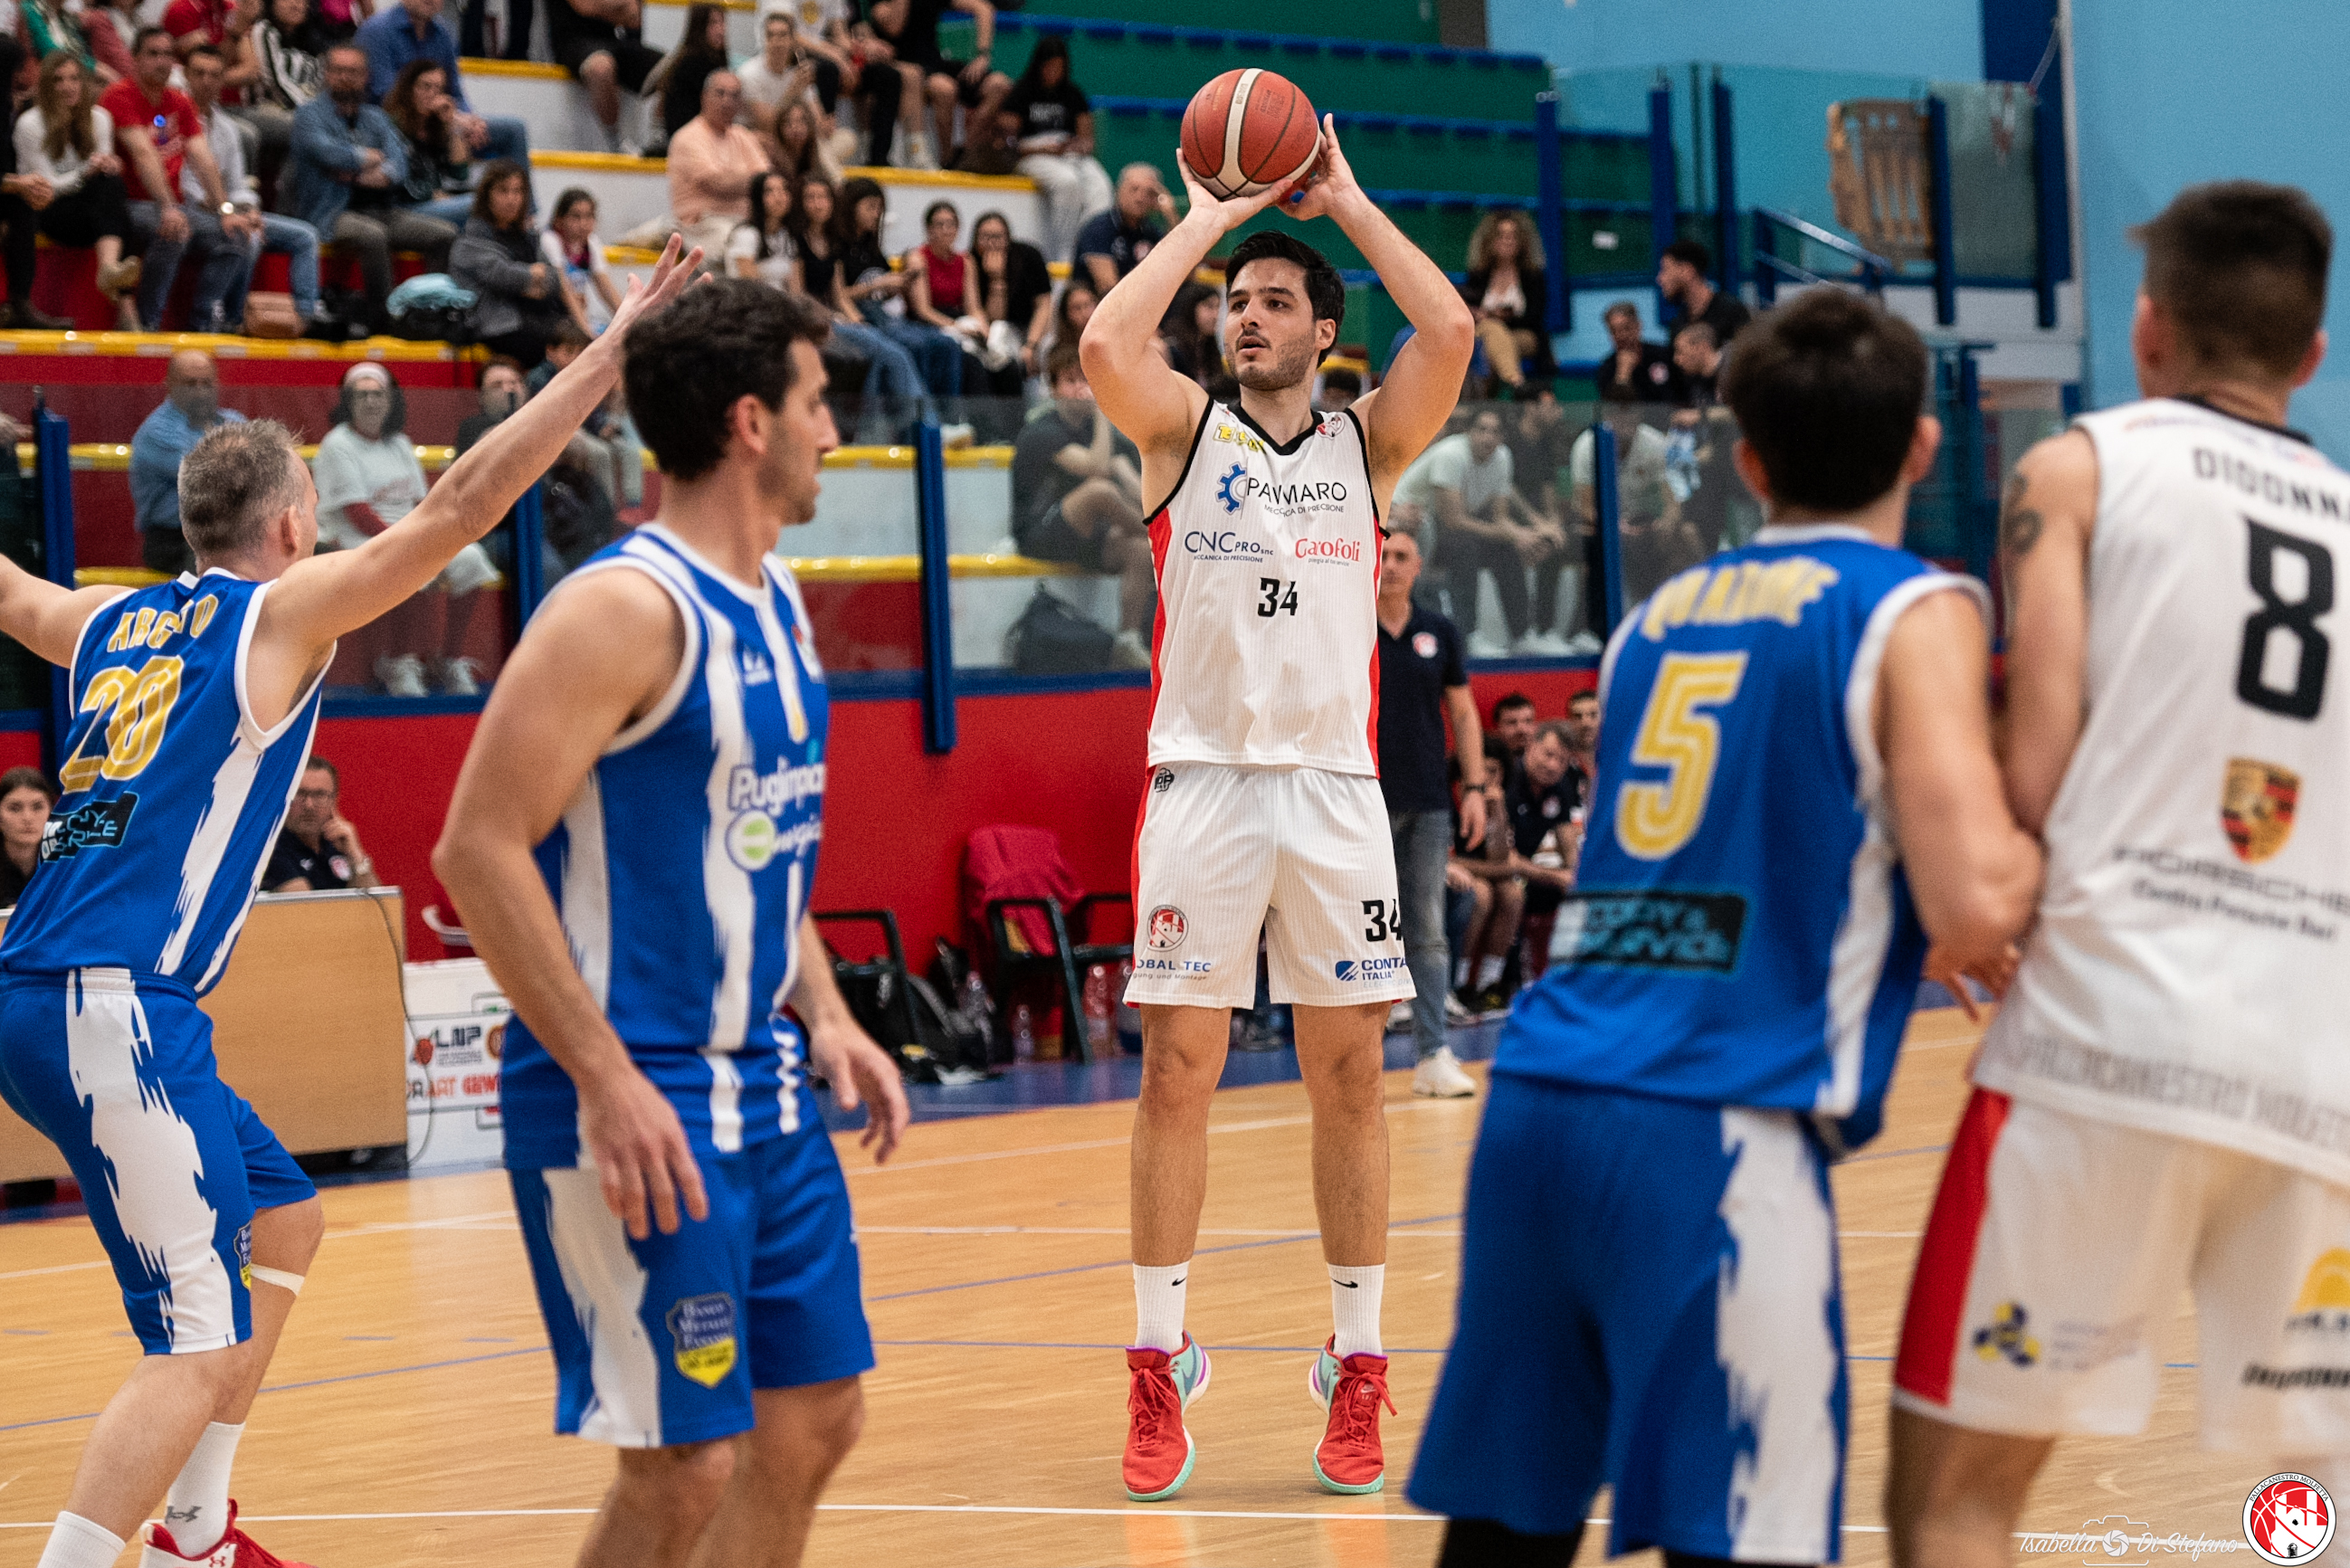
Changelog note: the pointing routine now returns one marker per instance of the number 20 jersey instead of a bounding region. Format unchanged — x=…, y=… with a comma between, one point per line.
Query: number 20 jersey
x=173, y=796
x=1741, y=933
x=2187, y=973
x=1267, y=650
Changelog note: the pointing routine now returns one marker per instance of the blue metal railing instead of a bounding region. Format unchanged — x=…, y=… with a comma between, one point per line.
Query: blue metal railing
x=53, y=454
x=1870, y=270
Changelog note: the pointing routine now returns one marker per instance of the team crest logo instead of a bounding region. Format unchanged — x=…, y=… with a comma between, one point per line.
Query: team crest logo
x=703, y=1328
x=1162, y=781
x=1167, y=928
x=1228, y=489
x=2256, y=807
x=244, y=1255
x=2288, y=1518
x=1424, y=645
x=2005, y=1335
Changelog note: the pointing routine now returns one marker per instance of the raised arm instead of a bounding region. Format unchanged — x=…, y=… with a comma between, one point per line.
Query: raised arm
x=598, y=656
x=43, y=616
x=1156, y=407
x=2045, y=522
x=1975, y=875
x=319, y=599
x=1410, y=406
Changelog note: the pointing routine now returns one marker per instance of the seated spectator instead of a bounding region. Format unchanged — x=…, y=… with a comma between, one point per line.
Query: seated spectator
x=1507, y=736
x=1463, y=489
x=700, y=50
x=761, y=248
x=343, y=174
x=518, y=293
x=1509, y=294
x=601, y=42
x=793, y=148
x=317, y=850
x=1053, y=121
x=1072, y=311
x=413, y=30
x=48, y=26
x=823, y=38
x=499, y=395
x=161, y=138
x=1681, y=278
x=893, y=391
x=439, y=183
x=1495, y=892
x=944, y=293
x=1195, y=345
x=260, y=233
x=911, y=29
x=1112, y=243
x=1077, y=497
x=1340, y=388
x=1016, y=292
x=711, y=163
x=1696, y=355
x=368, y=478
x=607, y=445
x=1655, y=540
x=1546, y=802
x=220, y=25
x=289, y=45
x=26, y=796
x=573, y=246
x=779, y=74
x=191, y=407
x=66, y=142
x=1581, y=734
x=878, y=291
x=20, y=225
x=1635, y=370
x=1541, y=448
x=109, y=30
x=888, y=92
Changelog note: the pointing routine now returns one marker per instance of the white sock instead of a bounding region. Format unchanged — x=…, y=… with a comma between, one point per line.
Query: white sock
x=196, y=1509
x=1459, y=972
x=1489, y=969
x=1158, y=1307
x=76, y=1542
x=1354, y=1309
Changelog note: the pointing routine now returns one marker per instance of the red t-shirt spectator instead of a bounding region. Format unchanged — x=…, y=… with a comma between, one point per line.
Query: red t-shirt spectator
x=170, y=119
x=207, y=19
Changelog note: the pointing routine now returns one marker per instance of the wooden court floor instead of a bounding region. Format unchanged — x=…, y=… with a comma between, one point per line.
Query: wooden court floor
x=407, y=1419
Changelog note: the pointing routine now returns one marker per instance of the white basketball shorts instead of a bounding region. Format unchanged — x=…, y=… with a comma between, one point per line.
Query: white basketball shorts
x=2053, y=1266
x=1303, y=855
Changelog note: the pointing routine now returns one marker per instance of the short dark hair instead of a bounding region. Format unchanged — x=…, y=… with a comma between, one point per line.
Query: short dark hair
x=1621, y=307
x=498, y=172
x=1325, y=291
x=1511, y=703
x=1341, y=380
x=567, y=334
x=692, y=360
x=1702, y=331
x=2240, y=267
x=232, y=481
x=1694, y=253
x=344, y=48
x=574, y=195
x=935, y=208
x=1061, y=358
x=1828, y=391
x=138, y=40
x=332, y=772
x=18, y=778
x=192, y=54
x=1587, y=695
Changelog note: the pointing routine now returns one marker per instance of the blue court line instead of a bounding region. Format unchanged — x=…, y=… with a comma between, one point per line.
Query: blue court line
x=374, y=1337
x=1123, y=1262
x=313, y=1383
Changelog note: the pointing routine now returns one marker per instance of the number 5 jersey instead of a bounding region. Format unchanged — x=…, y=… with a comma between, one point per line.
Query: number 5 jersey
x=1741, y=934
x=2186, y=975
x=173, y=793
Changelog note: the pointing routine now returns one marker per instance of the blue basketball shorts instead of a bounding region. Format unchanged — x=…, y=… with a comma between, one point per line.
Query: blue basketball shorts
x=661, y=1341
x=1649, y=1299
x=117, y=1072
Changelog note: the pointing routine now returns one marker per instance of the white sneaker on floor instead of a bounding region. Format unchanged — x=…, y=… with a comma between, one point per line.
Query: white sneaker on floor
x=1399, y=1017
x=1439, y=1077
x=918, y=153
x=403, y=675
x=1583, y=642
x=1456, y=1015
x=1539, y=645
x=460, y=677
x=1485, y=646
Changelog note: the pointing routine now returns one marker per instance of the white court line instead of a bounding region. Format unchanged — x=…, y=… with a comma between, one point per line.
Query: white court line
x=887, y=1508
x=58, y=1269
x=1394, y=1108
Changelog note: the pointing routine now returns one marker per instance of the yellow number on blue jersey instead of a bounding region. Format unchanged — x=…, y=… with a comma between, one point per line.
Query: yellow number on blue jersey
x=1652, y=820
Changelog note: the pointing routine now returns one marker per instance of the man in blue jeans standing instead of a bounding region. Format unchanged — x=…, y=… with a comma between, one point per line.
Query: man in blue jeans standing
x=1421, y=682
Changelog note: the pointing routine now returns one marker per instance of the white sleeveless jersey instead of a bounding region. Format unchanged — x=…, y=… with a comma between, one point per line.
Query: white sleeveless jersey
x=1267, y=650
x=2187, y=973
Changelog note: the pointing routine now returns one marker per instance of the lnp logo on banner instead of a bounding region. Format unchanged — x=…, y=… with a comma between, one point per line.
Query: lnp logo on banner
x=704, y=1328
x=2256, y=807
x=2289, y=1518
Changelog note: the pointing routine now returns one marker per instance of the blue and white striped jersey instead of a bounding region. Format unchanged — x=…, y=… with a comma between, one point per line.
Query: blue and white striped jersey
x=173, y=795
x=1740, y=933
x=683, y=864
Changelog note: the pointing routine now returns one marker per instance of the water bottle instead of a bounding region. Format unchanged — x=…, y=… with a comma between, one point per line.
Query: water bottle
x=1023, y=1035
x=1098, y=1008
x=971, y=1000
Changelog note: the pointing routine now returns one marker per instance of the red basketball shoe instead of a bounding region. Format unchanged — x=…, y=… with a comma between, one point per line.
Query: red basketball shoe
x=235, y=1550
x=1349, y=1458
x=1158, y=1453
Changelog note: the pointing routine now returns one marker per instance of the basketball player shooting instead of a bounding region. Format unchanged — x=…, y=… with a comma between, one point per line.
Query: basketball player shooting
x=1263, y=809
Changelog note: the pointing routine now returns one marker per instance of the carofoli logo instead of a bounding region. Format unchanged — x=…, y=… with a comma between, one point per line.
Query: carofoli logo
x=1349, y=550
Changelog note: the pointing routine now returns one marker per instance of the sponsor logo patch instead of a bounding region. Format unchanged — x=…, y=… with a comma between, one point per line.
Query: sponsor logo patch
x=1167, y=927
x=2007, y=1335
x=2256, y=805
x=2288, y=1518
x=1230, y=488
x=1424, y=644
x=703, y=1328
x=1233, y=436
x=244, y=1255
x=1162, y=781
x=1369, y=971
x=1691, y=932
x=98, y=824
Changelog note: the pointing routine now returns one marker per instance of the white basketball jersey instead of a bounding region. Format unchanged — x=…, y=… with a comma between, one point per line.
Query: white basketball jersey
x=2187, y=973
x=1266, y=652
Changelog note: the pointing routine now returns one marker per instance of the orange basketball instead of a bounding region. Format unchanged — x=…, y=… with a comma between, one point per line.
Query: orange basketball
x=1247, y=131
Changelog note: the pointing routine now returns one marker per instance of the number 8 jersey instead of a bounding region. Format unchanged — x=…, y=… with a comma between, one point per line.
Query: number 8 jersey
x=1267, y=650
x=2186, y=976
x=1740, y=933
x=173, y=795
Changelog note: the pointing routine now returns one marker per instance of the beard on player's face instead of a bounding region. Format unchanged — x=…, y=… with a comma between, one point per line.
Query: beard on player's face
x=1277, y=367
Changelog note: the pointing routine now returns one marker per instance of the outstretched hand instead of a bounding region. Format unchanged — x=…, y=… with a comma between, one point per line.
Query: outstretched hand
x=1230, y=215
x=673, y=275
x=1327, y=181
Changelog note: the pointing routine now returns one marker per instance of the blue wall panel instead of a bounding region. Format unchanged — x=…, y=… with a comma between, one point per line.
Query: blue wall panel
x=1938, y=38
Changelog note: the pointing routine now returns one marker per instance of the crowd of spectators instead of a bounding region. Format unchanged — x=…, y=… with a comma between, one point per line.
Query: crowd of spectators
x=1512, y=857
